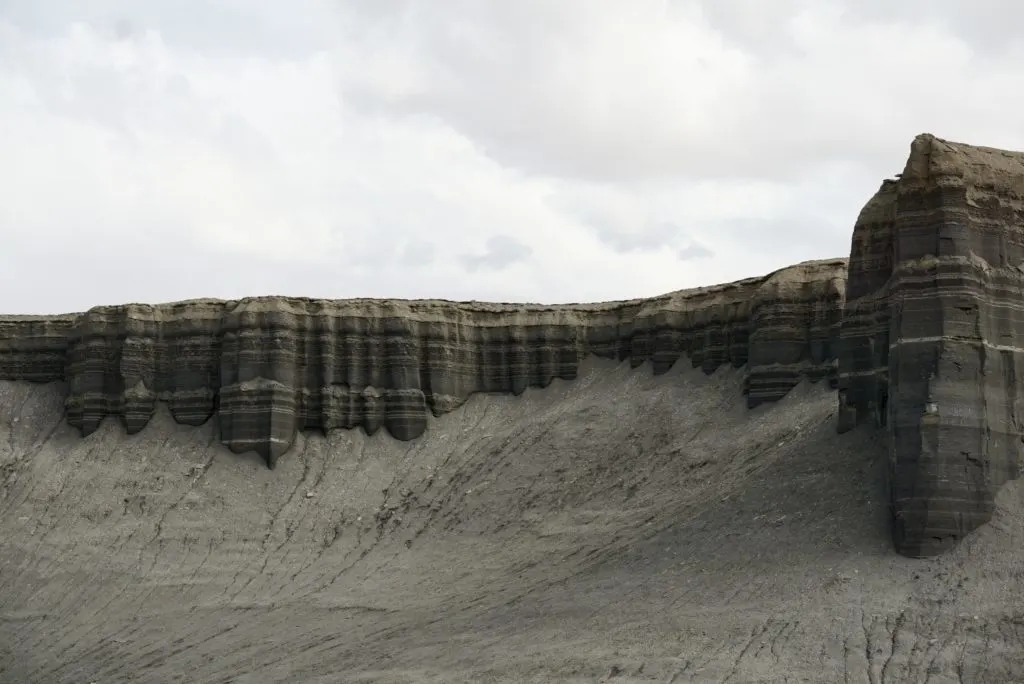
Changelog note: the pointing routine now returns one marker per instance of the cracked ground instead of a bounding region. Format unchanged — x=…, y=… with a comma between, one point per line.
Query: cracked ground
x=617, y=528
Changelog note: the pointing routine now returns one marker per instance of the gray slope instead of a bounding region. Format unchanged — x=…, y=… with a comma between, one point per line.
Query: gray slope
x=618, y=528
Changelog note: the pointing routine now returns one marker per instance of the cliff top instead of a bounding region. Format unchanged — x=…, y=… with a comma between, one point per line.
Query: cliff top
x=790, y=276
x=934, y=160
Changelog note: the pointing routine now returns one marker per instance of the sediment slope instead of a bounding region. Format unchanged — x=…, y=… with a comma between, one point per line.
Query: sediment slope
x=269, y=367
x=622, y=527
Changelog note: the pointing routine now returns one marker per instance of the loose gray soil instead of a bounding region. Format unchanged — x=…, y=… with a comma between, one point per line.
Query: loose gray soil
x=618, y=528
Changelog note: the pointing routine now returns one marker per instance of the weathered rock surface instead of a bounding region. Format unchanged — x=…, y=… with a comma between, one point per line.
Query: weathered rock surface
x=268, y=367
x=922, y=330
x=933, y=334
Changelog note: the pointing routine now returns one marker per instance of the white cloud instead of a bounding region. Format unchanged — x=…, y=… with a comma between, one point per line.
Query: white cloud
x=481, y=150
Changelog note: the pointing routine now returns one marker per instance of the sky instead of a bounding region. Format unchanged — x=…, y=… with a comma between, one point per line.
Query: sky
x=541, y=151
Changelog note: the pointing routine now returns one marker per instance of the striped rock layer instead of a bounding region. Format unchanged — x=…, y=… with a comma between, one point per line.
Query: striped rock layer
x=921, y=331
x=932, y=336
x=268, y=367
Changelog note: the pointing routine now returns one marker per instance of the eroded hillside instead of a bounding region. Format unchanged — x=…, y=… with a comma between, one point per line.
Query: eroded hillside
x=646, y=527
x=667, y=489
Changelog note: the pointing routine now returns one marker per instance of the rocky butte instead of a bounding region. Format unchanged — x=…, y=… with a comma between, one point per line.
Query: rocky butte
x=920, y=330
x=932, y=336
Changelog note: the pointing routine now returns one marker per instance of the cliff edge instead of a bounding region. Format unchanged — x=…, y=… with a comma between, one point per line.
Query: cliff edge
x=920, y=331
x=268, y=367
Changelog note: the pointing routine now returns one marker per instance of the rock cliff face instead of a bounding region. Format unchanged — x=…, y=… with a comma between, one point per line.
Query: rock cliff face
x=268, y=367
x=922, y=331
x=933, y=334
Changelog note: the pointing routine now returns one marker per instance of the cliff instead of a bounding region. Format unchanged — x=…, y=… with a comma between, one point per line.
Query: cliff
x=933, y=333
x=268, y=367
x=921, y=331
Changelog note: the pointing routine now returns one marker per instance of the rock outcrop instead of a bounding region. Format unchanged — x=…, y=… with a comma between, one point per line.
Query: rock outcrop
x=268, y=367
x=933, y=334
x=922, y=332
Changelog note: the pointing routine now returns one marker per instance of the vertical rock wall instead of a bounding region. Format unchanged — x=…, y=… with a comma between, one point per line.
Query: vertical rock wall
x=932, y=336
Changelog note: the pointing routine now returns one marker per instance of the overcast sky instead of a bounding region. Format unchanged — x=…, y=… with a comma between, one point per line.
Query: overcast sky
x=534, y=150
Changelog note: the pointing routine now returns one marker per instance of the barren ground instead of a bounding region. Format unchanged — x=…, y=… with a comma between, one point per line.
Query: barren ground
x=619, y=528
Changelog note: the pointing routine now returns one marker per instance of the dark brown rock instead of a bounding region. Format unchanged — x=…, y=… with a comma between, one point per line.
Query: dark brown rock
x=271, y=366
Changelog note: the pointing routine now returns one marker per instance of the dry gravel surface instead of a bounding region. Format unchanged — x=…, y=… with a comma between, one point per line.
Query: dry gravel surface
x=617, y=528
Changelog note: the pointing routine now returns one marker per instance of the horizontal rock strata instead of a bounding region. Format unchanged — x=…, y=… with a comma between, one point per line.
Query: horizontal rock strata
x=933, y=334
x=268, y=367
x=922, y=331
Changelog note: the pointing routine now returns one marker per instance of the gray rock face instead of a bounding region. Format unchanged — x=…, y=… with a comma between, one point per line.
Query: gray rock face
x=922, y=331
x=933, y=334
x=269, y=367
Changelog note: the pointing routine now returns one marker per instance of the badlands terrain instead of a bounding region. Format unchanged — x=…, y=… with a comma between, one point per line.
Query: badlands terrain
x=621, y=527
x=809, y=476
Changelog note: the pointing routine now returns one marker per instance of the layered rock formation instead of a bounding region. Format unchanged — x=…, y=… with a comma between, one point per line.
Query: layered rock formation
x=928, y=346
x=933, y=335
x=268, y=367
